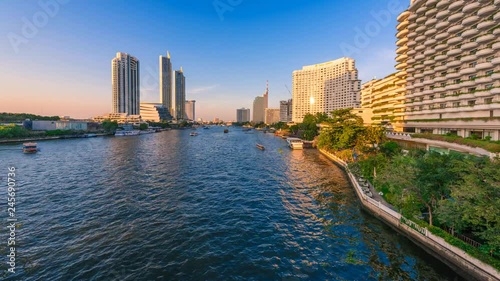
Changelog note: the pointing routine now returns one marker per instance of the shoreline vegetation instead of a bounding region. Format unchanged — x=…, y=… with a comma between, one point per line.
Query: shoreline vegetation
x=456, y=196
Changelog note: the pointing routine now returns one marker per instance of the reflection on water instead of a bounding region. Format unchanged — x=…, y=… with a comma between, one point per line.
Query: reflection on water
x=213, y=207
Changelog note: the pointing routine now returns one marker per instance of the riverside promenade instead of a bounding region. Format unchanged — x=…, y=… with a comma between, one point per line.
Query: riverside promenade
x=464, y=264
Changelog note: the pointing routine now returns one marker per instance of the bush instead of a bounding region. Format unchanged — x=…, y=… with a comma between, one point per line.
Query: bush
x=492, y=146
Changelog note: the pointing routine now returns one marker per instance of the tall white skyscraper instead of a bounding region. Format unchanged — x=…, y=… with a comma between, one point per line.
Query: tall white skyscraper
x=191, y=110
x=166, y=82
x=179, y=100
x=325, y=87
x=125, y=84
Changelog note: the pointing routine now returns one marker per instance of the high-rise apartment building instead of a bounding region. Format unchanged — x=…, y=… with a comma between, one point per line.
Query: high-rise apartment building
x=166, y=82
x=272, y=116
x=286, y=111
x=325, y=87
x=385, y=97
x=179, y=100
x=448, y=53
x=243, y=115
x=259, y=106
x=191, y=110
x=125, y=84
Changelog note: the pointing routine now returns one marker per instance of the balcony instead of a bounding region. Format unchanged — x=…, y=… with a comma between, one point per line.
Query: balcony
x=484, y=65
x=484, y=52
x=430, y=32
x=454, y=52
x=401, y=66
x=411, y=52
x=411, y=61
x=428, y=72
x=452, y=87
x=440, y=68
x=403, y=16
x=466, y=71
x=469, y=46
x=441, y=57
x=401, y=41
x=485, y=25
x=409, y=79
x=470, y=20
x=412, y=35
x=429, y=62
x=468, y=58
x=442, y=35
x=419, y=84
x=412, y=26
x=400, y=83
x=496, y=31
x=440, y=47
x=469, y=83
x=453, y=75
x=431, y=12
x=410, y=70
x=429, y=52
x=402, y=33
x=456, y=28
x=442, y=14
x=419, y=57
x=403, y=25
x=419, y=66
x=431, y=22
x=454, y=63
x=496, y=17
x=495, y=47
x=420, y=48
x=455, y=17
x=420, y=38
x=411, y=43
x=401, y=74
x=442, y=24
x=482, y=80
x=421, y=20
x=401, y=58
x=439, y=90
x=421, y=10
x=496, y=61
x=486, y=38
x=400, y=90
x=430, y=42
x=486, y=11
x=410, y=87
x=443, y=4
x=428, y=82
x=495, y=91
x=431, y=2
x=427, y=92
x=471, y=7
x=454, y=40
x=421, y=29
x=456, y=5
x=401, y=50
x=440, y=79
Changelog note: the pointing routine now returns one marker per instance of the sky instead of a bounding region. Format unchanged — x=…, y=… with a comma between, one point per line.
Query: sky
x=56, y=54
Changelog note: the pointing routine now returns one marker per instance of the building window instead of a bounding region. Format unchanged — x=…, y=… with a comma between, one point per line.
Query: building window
x=489, y=72
x=472, y=64
x=431, y=97
x=458, y=81
x=472, y=90
x=456, y=104
x=472, y=77
x=442, y=105
x=443, y=95
x=488, y=86
x=488, y=101
x=471, y=102
x=473, y=52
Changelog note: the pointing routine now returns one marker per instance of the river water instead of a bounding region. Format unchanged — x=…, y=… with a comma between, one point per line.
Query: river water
x=168, y=206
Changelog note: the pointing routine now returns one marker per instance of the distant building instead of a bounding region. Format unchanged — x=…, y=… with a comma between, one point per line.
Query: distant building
x=125, y=84
x=259, y=106
x=154, y=112
x=243, y=115
x=166, y=82
x=119, y=117
x=216, y=120
x=272, y=116
x=43, y=125
x=325, y=87
x=286, y=111
x=191, y=110
x=179, y=95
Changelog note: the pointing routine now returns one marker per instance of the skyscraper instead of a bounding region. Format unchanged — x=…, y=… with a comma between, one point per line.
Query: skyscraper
x=179, y=95
x=190, y=110
x=243, y=115
x=125, y=84
x=325, y=87
x=259, y=106
x=286, y=111
x=272, y=116
x=166, y=82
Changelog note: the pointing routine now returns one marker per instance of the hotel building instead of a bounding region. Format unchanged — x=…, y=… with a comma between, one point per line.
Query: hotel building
x=125, y=84
x=191, y=110
x=166, y=82
x=272, y=116
x=448, y=54
x=154, y=112
x=243, y=115
x=259, y=106
x=286, y=111
x=324, y=88
x=385, y=99
x=179, y=100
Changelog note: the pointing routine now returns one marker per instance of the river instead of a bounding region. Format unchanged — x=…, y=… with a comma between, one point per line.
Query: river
x=169, y=206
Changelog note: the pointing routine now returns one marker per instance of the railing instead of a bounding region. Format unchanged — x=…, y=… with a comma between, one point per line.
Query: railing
x=464, y=238
x=471, y=262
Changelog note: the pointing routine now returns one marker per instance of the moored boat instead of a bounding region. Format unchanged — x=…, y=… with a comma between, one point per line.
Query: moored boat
x=127, y=133
x=226, y=131
x=295, y=143
x=30, y=147
x=260, y=146
x=193, y=134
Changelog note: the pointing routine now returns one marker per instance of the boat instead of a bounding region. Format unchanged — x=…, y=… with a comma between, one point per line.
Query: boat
x=30, y=147
x=205, y=128
x=226, y=131
x=193, y=134
x=295, y=143
x=127, y=133
x=260, y=146
x=90, y=136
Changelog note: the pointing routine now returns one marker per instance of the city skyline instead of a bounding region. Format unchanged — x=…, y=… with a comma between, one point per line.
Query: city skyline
x=235, y=79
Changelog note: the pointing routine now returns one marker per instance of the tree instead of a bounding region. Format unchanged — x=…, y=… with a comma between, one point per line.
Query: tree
x=143, y=126
x=109, y=126
x=342, y=131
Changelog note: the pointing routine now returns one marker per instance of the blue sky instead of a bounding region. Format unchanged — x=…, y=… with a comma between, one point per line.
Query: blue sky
x=56, y=54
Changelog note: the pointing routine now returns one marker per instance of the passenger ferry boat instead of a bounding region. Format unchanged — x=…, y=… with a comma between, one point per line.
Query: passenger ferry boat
x=30, y=147
x=127, y=133
x=295, y=143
